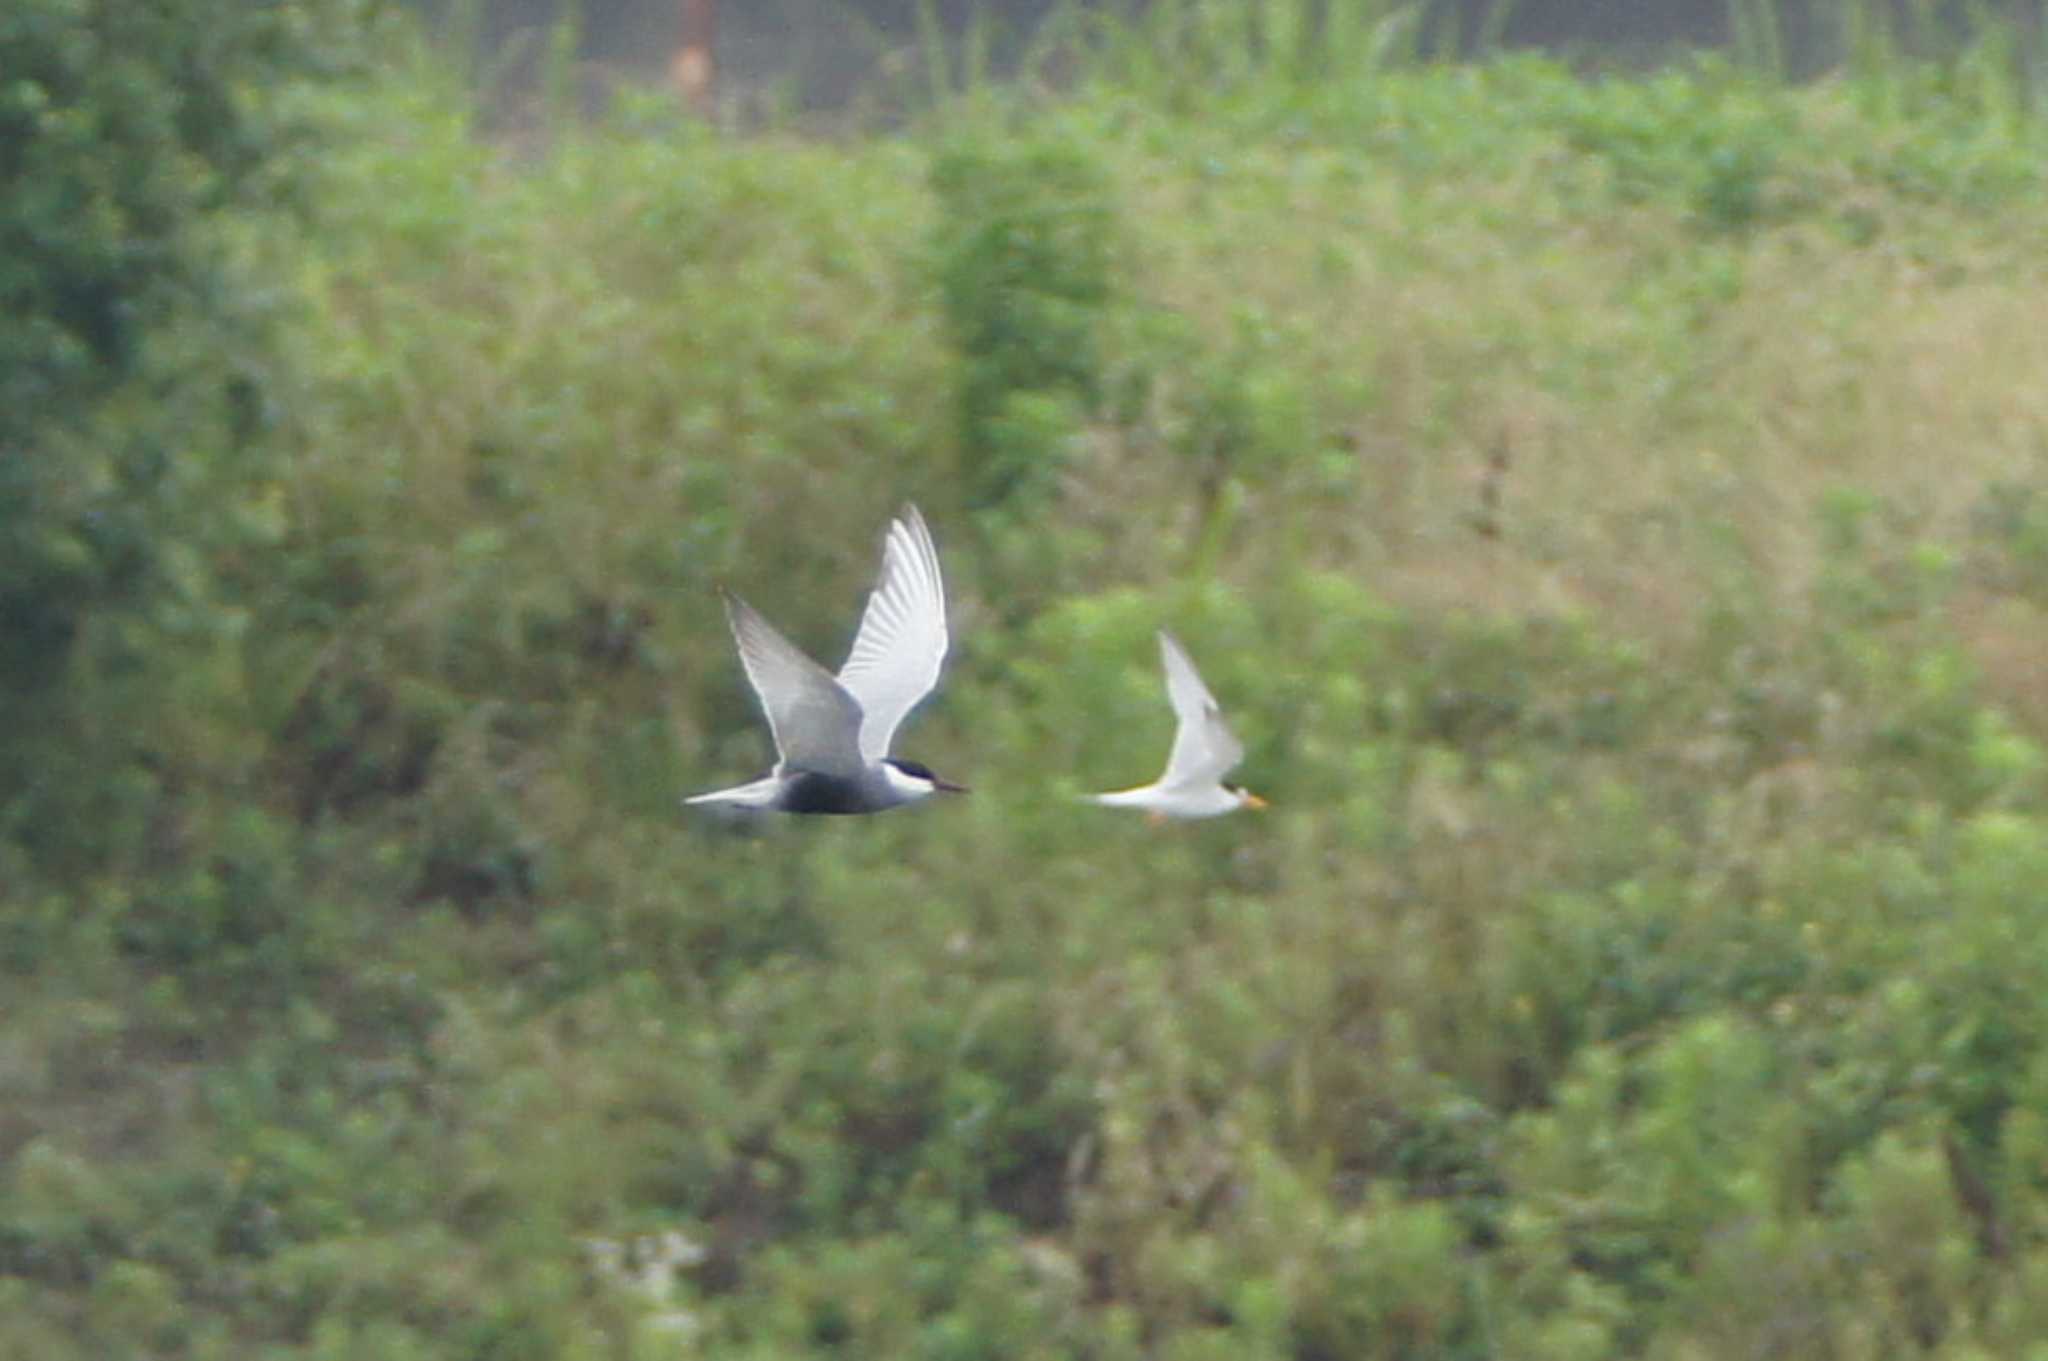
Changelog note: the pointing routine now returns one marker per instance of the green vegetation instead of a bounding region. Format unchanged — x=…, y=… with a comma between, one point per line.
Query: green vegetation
x=1610, y=508
x=136, y=390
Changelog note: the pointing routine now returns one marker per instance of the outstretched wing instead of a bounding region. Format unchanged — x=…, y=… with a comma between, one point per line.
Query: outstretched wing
x=815, y=721
x=902, y=641
x=1204, y=748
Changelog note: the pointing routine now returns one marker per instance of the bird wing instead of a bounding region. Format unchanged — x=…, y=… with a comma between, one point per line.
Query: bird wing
x=816, y=723
x=1204, y=748
x=902, y=641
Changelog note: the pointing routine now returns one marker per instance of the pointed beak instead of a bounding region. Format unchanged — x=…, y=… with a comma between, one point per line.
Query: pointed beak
x=948, y=787
x=1252, y=800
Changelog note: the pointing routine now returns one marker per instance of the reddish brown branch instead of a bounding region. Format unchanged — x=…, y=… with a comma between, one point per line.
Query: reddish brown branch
x=692, y=70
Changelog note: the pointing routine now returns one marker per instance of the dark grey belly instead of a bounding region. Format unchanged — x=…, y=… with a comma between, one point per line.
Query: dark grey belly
x=810, y=792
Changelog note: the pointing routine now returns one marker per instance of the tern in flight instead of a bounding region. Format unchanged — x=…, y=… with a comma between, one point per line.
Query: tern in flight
x=832, y=734
x=1204, y=750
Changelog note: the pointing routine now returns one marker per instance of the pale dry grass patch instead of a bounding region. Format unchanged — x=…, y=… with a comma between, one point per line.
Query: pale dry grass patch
x=2007, y=637
x=1549, y=410
x=1481, y=368
x=1423, y=331
x=1869, y=365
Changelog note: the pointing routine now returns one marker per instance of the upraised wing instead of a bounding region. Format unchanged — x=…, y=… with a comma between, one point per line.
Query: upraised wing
x=816, y=723
x=1204, y=748
x=902, y=641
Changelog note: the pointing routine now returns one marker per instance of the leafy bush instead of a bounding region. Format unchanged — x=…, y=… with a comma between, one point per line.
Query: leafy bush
x=134, y=389
x=1026, y=245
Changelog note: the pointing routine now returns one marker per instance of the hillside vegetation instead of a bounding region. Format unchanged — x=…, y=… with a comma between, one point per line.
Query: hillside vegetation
x=1610, y=508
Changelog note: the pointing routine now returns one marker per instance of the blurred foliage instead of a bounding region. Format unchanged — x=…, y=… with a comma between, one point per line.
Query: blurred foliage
x=135, y=390
x=1025, y=252
x=1606, y=508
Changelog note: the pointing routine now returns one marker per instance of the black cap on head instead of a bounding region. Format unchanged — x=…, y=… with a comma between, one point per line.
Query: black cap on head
x=924, y=772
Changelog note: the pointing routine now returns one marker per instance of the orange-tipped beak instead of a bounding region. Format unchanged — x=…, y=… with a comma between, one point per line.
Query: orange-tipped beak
x=947, y=787
x=1252, y=800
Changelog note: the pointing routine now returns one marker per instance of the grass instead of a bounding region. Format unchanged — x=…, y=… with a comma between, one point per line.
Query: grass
x=1604, y=505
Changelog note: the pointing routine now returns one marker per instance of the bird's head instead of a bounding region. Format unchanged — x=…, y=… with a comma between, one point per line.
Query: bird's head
x=914, y=780
x=1245, y=798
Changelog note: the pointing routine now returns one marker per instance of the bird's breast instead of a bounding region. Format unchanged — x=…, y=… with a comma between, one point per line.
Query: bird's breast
x=807, y=791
